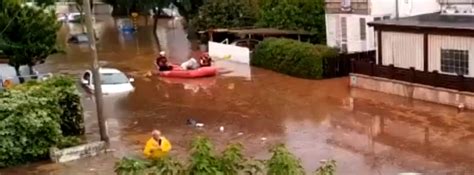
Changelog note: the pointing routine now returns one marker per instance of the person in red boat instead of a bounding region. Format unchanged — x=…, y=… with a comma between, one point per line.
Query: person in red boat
x=205, y=60
x=162, y=62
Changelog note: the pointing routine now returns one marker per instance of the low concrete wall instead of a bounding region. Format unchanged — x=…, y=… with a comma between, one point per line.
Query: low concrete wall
x=412, y=90
x=77, y=152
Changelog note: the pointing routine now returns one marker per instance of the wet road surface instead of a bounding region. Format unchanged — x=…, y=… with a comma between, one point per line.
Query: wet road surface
x=365, y=132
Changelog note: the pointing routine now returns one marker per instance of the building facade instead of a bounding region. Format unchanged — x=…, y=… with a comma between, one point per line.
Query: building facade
x=428, y=57
x=346, y=20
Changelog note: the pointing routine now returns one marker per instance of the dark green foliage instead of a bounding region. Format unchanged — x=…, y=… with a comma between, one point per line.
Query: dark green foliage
x=292, y=57
x=224, y=14
x=31, y=119
x=129, y=166
x=69, y=99
x=69, y=141
x=27, y=33
x=283, y=162
x=305, y=15
x=167, y=166
x=328, y=168
x=232, y=161
x=28, y=126
x=203, y=160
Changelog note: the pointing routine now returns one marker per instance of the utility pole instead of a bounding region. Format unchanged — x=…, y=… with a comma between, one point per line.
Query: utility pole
x=95, y=73
x=396, y=9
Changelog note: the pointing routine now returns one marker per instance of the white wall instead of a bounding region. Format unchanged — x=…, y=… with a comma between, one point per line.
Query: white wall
x=331, y=30
x=230, y=52
x=405, y=7
x=403, y=50
x=438, y=42
x=354, y=42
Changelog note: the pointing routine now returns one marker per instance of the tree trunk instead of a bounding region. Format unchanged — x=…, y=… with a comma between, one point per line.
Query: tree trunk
x=155, y=27
x=20, y=78
x=32, y=72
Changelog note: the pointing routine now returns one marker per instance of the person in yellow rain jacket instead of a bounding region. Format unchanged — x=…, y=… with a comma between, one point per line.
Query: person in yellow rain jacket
x=157, y=146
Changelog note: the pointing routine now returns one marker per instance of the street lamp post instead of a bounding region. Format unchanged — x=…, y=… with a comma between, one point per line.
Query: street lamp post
x=95, y=72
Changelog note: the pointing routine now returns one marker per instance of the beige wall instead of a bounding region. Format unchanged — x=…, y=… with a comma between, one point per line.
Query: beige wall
x=403, y=50
x=438, y=42
x=412, y=90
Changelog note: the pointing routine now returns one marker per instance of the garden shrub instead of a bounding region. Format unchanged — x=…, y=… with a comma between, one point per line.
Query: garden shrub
x=305, y=15
x=31, y=119
x=283, y=162
x=231, y=161
x=69, y=99
x=293, y=58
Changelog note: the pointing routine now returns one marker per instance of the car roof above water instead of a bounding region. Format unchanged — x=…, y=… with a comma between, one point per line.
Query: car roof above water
x=109, y=70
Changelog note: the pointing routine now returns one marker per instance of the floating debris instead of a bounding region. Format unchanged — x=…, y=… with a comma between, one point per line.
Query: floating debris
x=461, y=107
x=263, y=138
x=221, y=128
x=191, y=122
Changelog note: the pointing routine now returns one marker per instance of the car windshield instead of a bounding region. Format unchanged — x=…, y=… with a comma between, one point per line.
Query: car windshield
x=113, y=78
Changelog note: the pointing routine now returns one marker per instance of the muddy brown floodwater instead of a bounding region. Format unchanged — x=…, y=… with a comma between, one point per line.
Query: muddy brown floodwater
x=365, y=132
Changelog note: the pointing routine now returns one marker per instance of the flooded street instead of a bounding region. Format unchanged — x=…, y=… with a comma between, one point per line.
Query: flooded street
x=365, y=132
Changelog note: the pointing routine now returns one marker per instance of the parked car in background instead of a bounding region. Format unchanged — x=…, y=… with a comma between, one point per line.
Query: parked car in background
x=70, y=17
x=8, y=73
x=112, y=81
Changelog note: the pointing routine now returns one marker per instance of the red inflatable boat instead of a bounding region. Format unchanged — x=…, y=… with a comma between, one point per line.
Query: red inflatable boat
x=178, y=72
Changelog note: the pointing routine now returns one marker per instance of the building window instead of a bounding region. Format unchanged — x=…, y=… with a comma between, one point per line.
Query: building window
x=363, y=26
x=344, y=48
x=377, y=18
x=386, y=17
x=344, y=28
x=346, y=4
x=455, y=61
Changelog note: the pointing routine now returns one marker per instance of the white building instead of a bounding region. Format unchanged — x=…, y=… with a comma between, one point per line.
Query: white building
x=428, y=57
x=346, y=20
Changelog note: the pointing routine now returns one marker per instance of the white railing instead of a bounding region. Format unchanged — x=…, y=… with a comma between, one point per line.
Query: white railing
x=226, y=41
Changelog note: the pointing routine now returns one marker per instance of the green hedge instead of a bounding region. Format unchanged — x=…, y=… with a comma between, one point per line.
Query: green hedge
x=32, y=117
x=293, y=58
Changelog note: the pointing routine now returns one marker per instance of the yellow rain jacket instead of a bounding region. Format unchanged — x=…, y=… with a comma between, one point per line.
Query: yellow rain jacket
x=154, y=151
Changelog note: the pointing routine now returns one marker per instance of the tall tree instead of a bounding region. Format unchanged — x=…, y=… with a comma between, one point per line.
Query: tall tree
x=188, y=8
x=224, y=14
x=29, y=33
x=307, y=15
x=80, y=8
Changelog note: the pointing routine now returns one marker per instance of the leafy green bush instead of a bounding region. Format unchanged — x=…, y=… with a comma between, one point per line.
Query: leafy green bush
x=328, y=168
x=224, y=14
x=231, y=161
x=69, y=99
x=307, y=15
x=130, y=166
x=28, y=126
x=31, y=121
x=283, y=162
x=293, y=57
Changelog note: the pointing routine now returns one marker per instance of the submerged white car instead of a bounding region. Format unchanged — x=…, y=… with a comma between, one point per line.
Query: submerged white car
x=112, y=81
